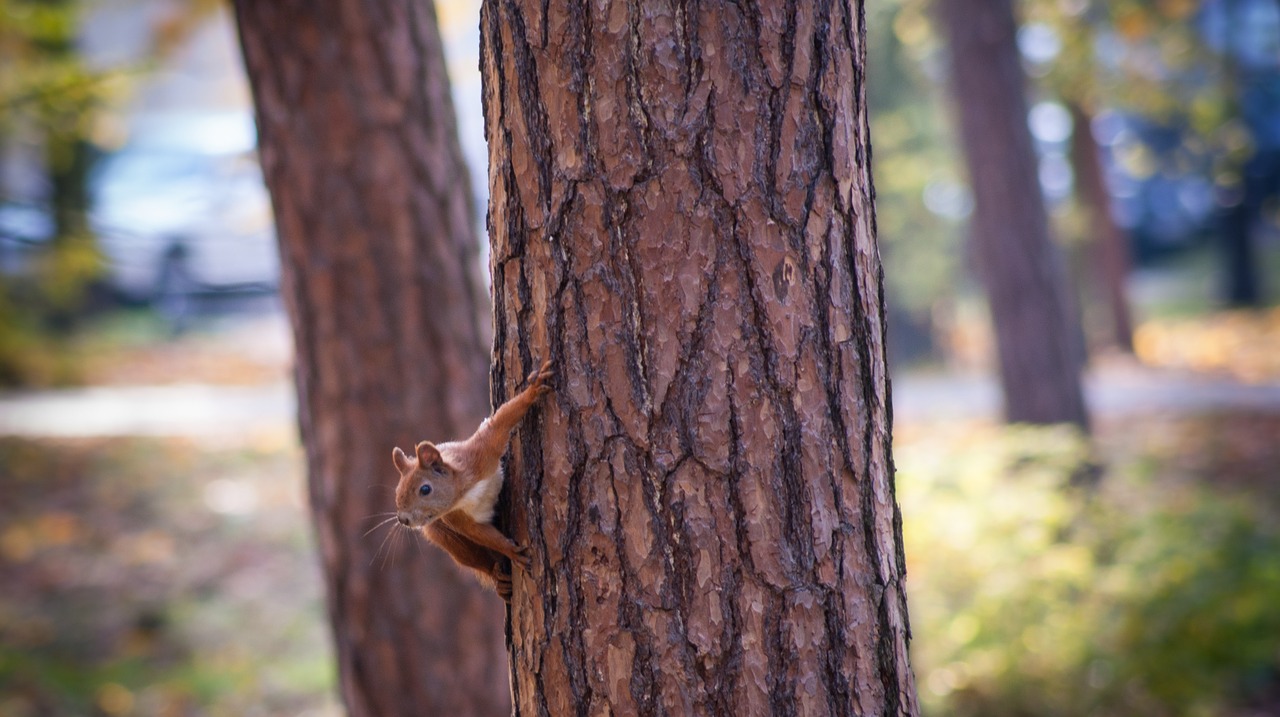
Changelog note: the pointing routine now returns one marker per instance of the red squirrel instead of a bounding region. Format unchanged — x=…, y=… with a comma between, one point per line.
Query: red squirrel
x=448, y=491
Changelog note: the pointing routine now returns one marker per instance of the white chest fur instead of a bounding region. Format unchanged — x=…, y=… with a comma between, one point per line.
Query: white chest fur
x=478, y=502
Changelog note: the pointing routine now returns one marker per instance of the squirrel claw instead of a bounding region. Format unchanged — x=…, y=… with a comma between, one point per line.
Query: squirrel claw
x=538, y=379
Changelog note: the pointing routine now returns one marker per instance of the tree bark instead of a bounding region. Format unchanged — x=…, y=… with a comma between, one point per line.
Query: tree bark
x=382, y=285
x=1108, y=247
x=1036, y=332
x=681, y=217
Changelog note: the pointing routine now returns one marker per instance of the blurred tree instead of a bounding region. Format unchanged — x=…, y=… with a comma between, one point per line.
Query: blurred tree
x=921, y=200
x=682, y=218
x=50, y=98
x=65, y=116
x=379, y=252
x=1254, y=166
x=1108, y=244
x=1065, y=45
x=47, y=88
x=1036, y=331
x=1206, y=71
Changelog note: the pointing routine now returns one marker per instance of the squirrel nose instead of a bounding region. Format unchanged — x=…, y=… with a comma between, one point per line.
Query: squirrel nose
x=404, y=520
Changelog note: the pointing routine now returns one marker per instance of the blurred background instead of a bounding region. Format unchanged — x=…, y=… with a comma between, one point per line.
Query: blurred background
x=154, y=545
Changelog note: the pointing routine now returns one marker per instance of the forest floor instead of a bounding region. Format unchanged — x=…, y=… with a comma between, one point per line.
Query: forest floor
x=154, y=543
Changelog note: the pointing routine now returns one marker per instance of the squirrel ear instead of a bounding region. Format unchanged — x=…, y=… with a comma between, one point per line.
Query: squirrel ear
x=427, y=454
x=401, y=460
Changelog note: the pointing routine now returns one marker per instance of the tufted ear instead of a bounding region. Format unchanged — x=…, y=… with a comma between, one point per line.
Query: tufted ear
x=427, y=454
x=401, y=460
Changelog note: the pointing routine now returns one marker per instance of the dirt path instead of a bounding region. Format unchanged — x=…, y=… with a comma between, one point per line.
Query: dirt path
x=176, y=410
x=1112, y=392
x=216, y=410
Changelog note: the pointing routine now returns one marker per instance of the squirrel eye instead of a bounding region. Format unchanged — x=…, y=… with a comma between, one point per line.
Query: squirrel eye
x=425, y=489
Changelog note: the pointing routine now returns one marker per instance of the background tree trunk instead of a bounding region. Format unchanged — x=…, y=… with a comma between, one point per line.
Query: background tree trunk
x=681, y=217
x=1036, y=332
x=1242, y=280
x=1108, y=246
x=381, y=281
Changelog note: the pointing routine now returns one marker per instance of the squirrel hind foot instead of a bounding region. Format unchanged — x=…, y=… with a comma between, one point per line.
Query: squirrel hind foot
x=502, y=583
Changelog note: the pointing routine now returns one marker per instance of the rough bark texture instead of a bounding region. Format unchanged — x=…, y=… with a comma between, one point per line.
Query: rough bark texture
x=681, y=218
x=1036, y=332
x=383, y=289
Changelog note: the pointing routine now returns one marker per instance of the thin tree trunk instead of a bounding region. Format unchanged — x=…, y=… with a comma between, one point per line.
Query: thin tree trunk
x=379, y=255
x=1108, y=247
x=1036, y=333
x=681, y=218
x=1242, y=287
x=1242, y=282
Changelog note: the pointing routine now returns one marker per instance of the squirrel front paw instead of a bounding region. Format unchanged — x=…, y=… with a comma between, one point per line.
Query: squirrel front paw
x=523, y=557
x=538, y=379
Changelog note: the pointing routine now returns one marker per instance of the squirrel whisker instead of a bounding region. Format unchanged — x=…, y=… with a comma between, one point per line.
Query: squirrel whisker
x=382, y=545
x=379, y=525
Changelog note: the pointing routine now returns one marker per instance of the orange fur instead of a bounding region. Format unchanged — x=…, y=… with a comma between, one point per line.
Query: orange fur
x=463, y=479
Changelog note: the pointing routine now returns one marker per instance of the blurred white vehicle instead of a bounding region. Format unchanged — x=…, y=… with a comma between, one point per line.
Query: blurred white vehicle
x=182, y=210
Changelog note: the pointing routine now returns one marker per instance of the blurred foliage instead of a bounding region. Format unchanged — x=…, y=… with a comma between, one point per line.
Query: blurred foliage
x=909, y=127
x=47, y=95
x=1154, y=71
x=44, y=79
x=28, y=355
x=138, y=347
x=1143, y=56
x=1244, y=345
x=51, y=104
x=1240, y=345
x=1152, y=595
x=158, y=577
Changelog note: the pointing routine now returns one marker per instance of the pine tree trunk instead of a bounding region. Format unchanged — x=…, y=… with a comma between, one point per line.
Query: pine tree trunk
x=681, y=218
x=1037, y=334
x=382, y=284
x=1108, y=247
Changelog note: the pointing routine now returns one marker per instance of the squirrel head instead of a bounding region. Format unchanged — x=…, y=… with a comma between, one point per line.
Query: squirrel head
x=428, y=486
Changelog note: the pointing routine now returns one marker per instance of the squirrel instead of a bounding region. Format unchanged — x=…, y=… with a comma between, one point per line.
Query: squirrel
x=448, y=491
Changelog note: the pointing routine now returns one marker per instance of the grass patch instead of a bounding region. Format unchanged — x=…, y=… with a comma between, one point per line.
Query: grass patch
x=1152, y=595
